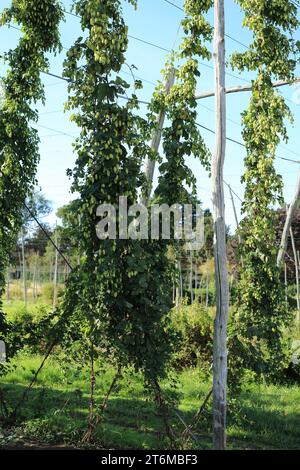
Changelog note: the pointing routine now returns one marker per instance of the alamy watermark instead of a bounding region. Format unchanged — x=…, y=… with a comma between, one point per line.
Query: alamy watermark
x=160, y=222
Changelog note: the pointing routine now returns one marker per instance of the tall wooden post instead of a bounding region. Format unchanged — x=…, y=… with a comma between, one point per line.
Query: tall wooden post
x=221, y=273
x=200, y=290
x=55, y=272
x=24, y=269
x=181, y=281
x=19, y=280
x=191, y=278
x=38, y=279
x=177, y=288
x=50, y=269
x=196, y=282
x=297, y=273
x=285, y=285
x=8, y=283
x=34, y=294
x=288, y=223
x=149, y=166
x=207, y=292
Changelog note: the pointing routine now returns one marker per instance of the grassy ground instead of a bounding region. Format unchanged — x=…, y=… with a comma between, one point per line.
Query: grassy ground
x=266, y=417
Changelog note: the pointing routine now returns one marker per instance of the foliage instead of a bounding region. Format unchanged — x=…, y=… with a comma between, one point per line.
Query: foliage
x=195, y=326
x=262, y=314
x=38, y=206
x=123, y=286
x=68, y=231
x=23, y=88
x=36, y=241
x=182, y=138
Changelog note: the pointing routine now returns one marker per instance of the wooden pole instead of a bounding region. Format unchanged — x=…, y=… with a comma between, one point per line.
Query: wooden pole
x=297, y=273
x=181, y=281
x=34, y=280
x=50, y=270
x=149, y=165
x=196, y=282
x=207, y=292
x=55, y=273
x=38, y=279
x=288, y=223
x=191, y=278
x=20, y=278
x=24, y=269
x=221, y=273
x=8, y=283
x=243, y=88
x=286, y=285
x=178, y=285
x=200, y=290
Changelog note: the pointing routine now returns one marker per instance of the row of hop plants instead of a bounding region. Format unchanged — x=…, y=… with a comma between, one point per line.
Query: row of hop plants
x=118, y=299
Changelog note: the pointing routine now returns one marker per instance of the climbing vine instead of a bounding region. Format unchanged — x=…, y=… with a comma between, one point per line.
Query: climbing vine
x=262, y=314
x=22, y=89
x=123, y=297
x=182, y=138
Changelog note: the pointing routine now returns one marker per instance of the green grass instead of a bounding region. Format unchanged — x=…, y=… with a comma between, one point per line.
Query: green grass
x=266, y=417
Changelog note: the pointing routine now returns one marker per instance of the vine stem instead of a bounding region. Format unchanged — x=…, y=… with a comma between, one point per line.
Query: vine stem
x=197, y=416
x=3, y=404
x=27, y=390
x=164, y=411
x=93, y=384
x=96, y=420
x=48, y=353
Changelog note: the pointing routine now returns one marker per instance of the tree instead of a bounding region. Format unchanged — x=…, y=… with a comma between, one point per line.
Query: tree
x=288, y=223
x=37, y=241
x=37, y=207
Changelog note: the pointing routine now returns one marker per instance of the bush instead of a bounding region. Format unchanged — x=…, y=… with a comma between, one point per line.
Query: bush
x=29, y=327
x=194, y=323
x=17, y=312
x=15, y=291
x=48, y=292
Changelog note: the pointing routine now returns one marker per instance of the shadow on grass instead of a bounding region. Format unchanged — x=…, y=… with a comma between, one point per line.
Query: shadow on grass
x=266, y=421
x=57, y=417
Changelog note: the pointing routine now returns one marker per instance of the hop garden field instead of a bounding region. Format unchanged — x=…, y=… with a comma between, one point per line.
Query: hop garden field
x=154, y=303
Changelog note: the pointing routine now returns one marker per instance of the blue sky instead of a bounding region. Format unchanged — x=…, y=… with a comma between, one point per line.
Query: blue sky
x=158, y=22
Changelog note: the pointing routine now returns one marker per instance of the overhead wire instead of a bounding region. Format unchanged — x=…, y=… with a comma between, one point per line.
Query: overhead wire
x=164, y=49
x=227, y=35
x=145, y=102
